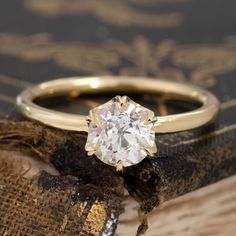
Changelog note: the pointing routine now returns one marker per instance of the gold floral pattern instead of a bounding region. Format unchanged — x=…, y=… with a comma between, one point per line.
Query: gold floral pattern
x=120, y=13
x=166, y=58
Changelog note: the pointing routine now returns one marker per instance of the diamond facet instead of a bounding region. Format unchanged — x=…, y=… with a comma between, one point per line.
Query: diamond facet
x=121, y=132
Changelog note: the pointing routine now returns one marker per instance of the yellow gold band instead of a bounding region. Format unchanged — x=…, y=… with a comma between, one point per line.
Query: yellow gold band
x=116, y=84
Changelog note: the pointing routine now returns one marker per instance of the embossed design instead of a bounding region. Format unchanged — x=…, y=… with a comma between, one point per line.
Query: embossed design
x=205, y=62
x=73, y=56
x=167, y=59
x=121, y=13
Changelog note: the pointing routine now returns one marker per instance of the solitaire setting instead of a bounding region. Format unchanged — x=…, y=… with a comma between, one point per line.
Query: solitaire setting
x=121, y=132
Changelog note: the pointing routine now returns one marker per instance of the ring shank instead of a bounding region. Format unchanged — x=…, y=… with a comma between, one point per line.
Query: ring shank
x=116, y=84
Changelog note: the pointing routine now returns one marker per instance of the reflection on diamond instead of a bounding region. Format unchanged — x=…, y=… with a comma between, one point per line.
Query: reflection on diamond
x=121, y=131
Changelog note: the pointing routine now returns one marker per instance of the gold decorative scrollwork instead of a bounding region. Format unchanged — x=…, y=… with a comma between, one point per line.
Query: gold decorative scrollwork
x=120, y=13
x=205, y=61
x=200, y=64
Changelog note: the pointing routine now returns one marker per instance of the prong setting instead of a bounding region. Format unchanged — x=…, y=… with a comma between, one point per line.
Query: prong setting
x=122, y=131
x=119, y=166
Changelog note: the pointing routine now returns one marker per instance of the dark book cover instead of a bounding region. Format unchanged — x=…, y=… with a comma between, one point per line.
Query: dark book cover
x=182, y=40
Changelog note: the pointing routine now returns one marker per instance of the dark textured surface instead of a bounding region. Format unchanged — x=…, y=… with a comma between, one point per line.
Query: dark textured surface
x=187, y=40
x=81, y=200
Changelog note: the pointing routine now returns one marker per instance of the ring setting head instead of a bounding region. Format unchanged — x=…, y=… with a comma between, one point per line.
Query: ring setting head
x=121, y=132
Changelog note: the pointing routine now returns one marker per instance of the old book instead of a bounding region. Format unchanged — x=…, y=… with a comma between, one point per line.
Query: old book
x=48, y=185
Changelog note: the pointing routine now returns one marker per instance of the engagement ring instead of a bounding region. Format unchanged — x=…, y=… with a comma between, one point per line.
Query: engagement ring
x=121, y=132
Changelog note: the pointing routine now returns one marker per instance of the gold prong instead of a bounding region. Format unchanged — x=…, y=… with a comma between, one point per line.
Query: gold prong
x=124, y=99
x=88, y=119
x=119, y=166
x=90, y=153
x=150, y=155
x=151, y=118
x=117, y=99
x=92, y=117
x=121, y=99
x=151, y=151
x=89, y=148
x=154, y=119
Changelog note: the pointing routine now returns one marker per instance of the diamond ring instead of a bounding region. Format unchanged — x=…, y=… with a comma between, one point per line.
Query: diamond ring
x=121, y=132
